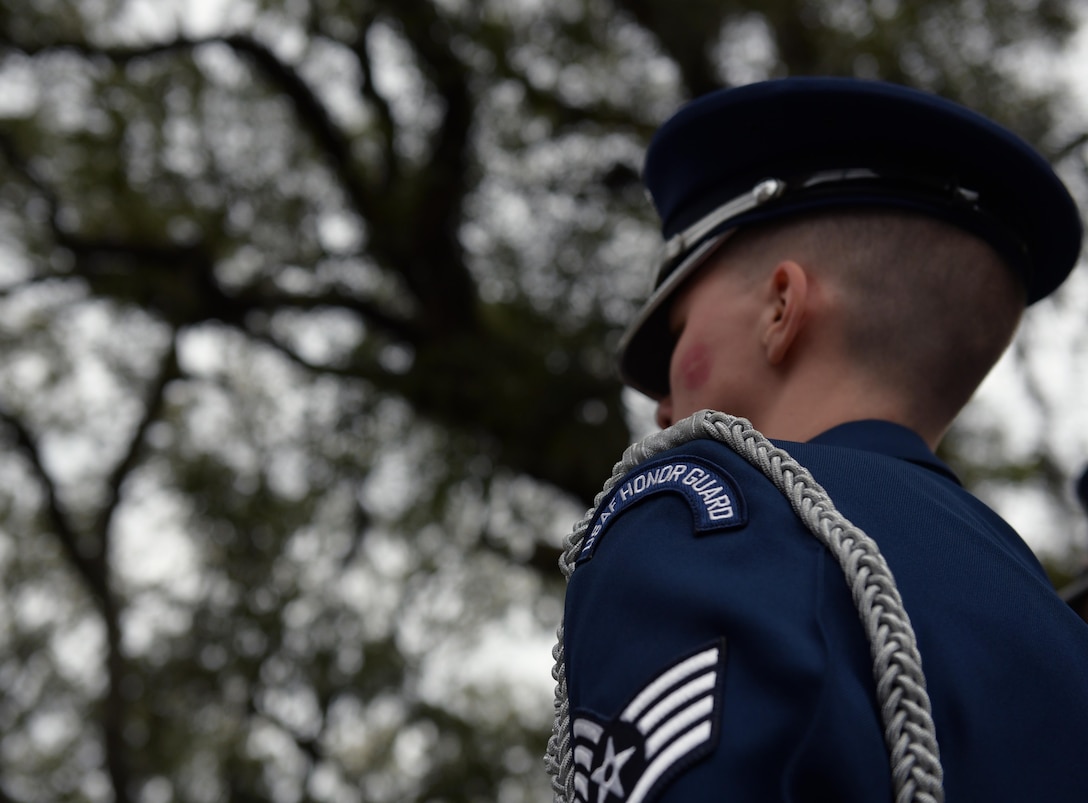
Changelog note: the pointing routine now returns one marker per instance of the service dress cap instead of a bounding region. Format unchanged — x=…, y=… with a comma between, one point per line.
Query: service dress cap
x=784, y=147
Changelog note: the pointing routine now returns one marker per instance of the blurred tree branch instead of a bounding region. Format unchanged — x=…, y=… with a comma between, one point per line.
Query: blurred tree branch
x=89, y=554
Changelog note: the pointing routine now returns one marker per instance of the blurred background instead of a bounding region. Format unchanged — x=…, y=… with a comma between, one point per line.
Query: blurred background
x=307, y=311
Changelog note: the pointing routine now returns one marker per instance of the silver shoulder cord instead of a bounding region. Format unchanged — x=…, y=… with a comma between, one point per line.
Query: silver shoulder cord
x=897, y=667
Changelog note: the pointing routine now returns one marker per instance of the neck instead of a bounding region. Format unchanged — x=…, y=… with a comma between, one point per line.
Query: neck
x=806, y=404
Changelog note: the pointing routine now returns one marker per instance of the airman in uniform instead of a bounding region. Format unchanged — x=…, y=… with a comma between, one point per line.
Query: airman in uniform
x=844, y=262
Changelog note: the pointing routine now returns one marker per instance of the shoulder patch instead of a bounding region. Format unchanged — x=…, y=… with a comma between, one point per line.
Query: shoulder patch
x=669, y=724
x=713, y=495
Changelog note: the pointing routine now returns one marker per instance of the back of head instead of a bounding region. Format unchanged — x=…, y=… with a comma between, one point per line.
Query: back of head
x=922, y=307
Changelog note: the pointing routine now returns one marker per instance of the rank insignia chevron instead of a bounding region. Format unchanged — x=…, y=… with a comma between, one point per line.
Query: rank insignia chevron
x=672, y=722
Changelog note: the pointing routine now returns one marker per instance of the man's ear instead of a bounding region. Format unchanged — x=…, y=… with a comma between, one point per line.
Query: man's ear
x=788, y=300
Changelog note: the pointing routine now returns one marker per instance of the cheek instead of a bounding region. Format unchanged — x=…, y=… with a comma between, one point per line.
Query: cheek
x=691, y=368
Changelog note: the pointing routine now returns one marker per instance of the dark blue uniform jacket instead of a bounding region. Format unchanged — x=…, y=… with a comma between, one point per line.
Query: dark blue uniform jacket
x=714, y=653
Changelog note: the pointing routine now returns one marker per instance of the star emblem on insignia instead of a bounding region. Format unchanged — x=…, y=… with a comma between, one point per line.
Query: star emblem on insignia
x=607, y=775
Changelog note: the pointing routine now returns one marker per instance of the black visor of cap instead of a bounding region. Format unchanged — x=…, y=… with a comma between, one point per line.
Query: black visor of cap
x=833, y=143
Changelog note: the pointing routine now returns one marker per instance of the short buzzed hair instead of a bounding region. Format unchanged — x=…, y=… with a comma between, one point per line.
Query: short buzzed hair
x=926, y=306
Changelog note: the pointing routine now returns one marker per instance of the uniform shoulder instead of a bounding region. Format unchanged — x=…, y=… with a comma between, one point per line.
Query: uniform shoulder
x=713, y=481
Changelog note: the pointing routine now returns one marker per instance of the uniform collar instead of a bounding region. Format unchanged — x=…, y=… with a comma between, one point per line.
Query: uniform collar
x=885, y=438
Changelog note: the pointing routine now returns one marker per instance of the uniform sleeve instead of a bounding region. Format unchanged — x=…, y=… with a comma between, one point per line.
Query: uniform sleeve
x=712, y=651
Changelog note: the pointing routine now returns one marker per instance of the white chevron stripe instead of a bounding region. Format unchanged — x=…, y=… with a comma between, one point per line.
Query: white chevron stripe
x=587, y=729
x=693, y=665
x=697, y=687
x=583, y=756
x=673, y=753
x=581, y=786
x=701, y=709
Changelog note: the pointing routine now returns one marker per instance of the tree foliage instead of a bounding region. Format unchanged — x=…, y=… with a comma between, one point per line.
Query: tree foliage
x=308, y=315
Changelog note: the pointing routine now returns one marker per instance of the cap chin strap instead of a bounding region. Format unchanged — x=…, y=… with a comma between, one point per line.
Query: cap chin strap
x=909, y=732
x=686, y=250
x=678, y=244
x=948, y=190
